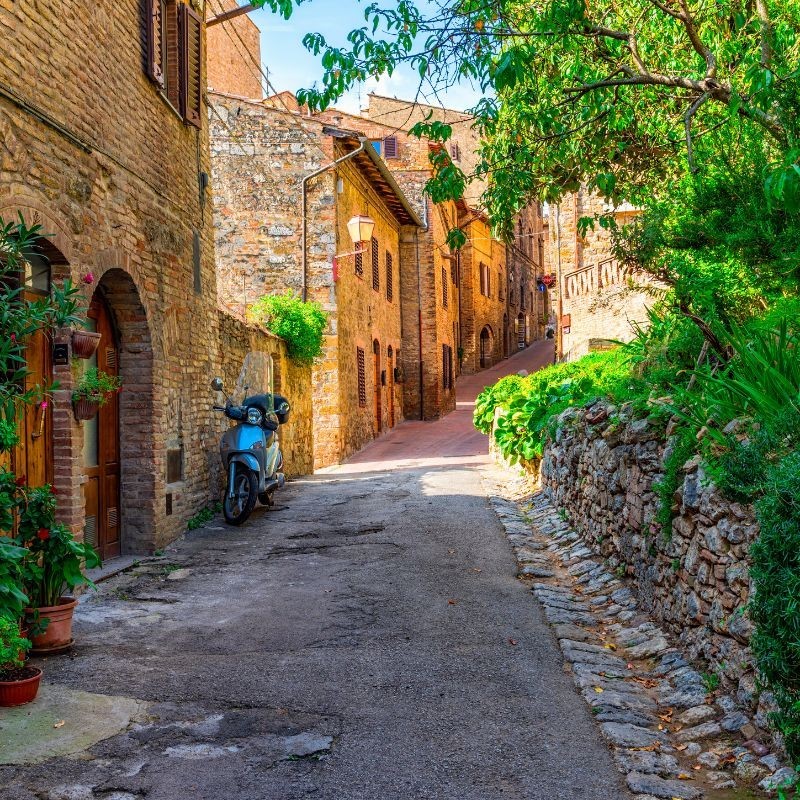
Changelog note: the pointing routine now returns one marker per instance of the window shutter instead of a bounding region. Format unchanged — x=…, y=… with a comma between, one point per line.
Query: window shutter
x=444, y=287
x=359, y=263
x=361, y=363
x=376, y=274
x=389, y=277
x=156, y=41
x=390, y=148
x=191, y=71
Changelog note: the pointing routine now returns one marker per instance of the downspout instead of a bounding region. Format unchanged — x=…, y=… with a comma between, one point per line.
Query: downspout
x=304, y=234
x=559, y=333
x=419, y=319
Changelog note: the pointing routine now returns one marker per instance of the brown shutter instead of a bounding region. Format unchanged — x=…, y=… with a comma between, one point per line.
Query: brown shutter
x=191, y=66
x=376, y=274
x=444, y=287
x=156, y=45
x=361, y=363
x=389, y=278
x=390, y=149
x=359, y=262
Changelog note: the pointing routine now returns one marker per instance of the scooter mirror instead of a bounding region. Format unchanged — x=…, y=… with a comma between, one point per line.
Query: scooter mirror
x=216, y=384
x=283, y=408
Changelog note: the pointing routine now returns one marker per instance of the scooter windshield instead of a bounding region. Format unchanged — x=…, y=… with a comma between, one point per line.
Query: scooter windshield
x=255, y=378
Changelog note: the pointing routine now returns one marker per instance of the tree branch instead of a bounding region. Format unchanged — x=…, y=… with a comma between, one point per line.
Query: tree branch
x=694, y=37
x=766, y=33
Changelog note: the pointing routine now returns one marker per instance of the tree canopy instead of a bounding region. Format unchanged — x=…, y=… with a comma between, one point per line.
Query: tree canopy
x=617, y=95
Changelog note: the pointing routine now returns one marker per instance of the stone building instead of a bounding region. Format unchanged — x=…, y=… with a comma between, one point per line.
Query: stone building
x=598, y=300
x=107, y=149
x=281, y=208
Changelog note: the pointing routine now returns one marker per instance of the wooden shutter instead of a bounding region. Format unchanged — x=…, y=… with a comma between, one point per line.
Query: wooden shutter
x=362, y=376
x=359, y=263
x=156, y=41
x=444, y=287
x=376, y=270
x=389, y=277
x=191, y=65
x=390, y=149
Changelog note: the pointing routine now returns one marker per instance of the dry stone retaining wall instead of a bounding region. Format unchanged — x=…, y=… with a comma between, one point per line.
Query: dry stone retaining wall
x=601, y=468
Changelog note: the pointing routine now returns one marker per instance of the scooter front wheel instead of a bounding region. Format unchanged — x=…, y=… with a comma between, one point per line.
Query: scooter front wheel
x=237, y=508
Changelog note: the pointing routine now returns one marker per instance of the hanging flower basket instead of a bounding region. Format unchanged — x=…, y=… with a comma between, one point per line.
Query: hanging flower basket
x=85, y=408
x=85, y=343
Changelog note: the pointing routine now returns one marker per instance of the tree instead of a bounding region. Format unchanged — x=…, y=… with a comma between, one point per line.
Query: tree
x=617, y=95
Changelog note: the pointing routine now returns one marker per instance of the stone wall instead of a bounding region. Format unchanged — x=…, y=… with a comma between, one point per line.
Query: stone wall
x=601, y=469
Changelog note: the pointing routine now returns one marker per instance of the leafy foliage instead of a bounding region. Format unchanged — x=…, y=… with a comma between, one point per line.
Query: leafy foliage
x=300, y=324
x=96, y=386
x=613, y=95
x=12, y=644
x=529, y=406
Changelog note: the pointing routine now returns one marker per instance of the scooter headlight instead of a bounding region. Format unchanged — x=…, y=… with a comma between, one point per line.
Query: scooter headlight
x=254, y=416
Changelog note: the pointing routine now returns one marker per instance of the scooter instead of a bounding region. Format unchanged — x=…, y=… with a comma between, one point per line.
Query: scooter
x=251, y=452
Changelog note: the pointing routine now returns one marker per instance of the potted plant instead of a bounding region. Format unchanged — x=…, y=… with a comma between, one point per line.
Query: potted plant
x=68, y=313
x=54, y=566
x=18, y=683
x=92, y=391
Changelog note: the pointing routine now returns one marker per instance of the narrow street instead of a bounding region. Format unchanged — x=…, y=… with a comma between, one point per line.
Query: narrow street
x=365, y=640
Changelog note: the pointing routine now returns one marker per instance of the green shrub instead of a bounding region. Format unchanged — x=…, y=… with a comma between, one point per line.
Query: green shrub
x=530, y=405
x=300, y=324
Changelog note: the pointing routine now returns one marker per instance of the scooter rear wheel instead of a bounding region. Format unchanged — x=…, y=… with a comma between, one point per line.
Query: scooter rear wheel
x=238, y=508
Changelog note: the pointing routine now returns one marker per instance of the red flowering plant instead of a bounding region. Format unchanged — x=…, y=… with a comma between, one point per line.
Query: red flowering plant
x=56, y=560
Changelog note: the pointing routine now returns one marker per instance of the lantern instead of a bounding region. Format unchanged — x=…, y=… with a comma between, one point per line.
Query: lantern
x=360, y=229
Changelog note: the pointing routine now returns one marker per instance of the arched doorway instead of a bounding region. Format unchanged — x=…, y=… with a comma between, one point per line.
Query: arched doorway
x=101, y=455
x=32, y=459
x=506, y=337
x=487, y=347
x=390, y=383
x=127, y=340
x=376, y=361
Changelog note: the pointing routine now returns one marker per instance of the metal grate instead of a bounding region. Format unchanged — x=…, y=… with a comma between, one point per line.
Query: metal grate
x=111, y=358
x=90, y=531
x=112, y=517
x=362, y=376
x=376, y=272
x=390, y=149
x=360, y=264
x=389, y=277
x=444, y=287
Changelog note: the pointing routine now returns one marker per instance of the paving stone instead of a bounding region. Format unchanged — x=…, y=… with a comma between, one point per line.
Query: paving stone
x=649, y=648
x=771, y=762
x=611, y=699
x=624, y=716
x=659, y=787
x=734, y=721
x=624, y=735
x=784, y=778
x=686, y=698
x=696, y=715
x=574, y=633
x=646, y=762
x=536, y=571
x=709, y=760
x=706, y=730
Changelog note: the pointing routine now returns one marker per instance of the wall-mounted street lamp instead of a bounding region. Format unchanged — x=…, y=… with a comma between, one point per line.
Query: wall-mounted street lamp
x=360, y=228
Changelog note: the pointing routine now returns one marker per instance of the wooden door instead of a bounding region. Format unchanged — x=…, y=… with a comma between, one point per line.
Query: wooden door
x=390, y=384
x=376, y=359
x=101, y=445
x=32, y=458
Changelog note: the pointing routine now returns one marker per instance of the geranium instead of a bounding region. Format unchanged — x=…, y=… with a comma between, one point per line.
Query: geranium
x=43, y=534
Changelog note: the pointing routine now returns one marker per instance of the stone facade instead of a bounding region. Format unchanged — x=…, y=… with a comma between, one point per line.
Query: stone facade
x=261, y=154
x=602, y=468
x=92, y=151
x=600, y=300
x=234, y=52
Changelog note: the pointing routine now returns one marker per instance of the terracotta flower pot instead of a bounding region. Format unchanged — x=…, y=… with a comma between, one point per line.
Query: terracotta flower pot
x=58, y=634
x=85, y=408
x=84, y=343
x=17, y=693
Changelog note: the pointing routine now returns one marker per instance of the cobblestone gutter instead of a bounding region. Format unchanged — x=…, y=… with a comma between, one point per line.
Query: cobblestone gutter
x=673, y=735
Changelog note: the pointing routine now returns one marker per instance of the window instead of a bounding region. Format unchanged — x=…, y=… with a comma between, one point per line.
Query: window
x=175, y=56
x=500, y=292
x=389, y=277
x=378, y=145
x=360, y=263
x=447, y=367
x=444, y=287
x=485, y=281
x=390, y=149
x=362, y=376
x=376, y=273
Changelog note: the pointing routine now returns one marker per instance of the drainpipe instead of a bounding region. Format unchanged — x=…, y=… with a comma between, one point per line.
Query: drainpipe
x=559, y=348
x=419, y=319
x=363, y=140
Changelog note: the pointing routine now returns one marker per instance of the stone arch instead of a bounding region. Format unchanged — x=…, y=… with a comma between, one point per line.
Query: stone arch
x=141, y=464
x=35, y=213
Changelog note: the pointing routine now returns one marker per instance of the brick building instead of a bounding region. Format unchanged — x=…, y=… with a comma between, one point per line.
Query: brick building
x=107, y=148
x=266, y=158
x=600, y=301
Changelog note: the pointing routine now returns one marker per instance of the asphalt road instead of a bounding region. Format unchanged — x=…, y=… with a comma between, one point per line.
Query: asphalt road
x=365, y=640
